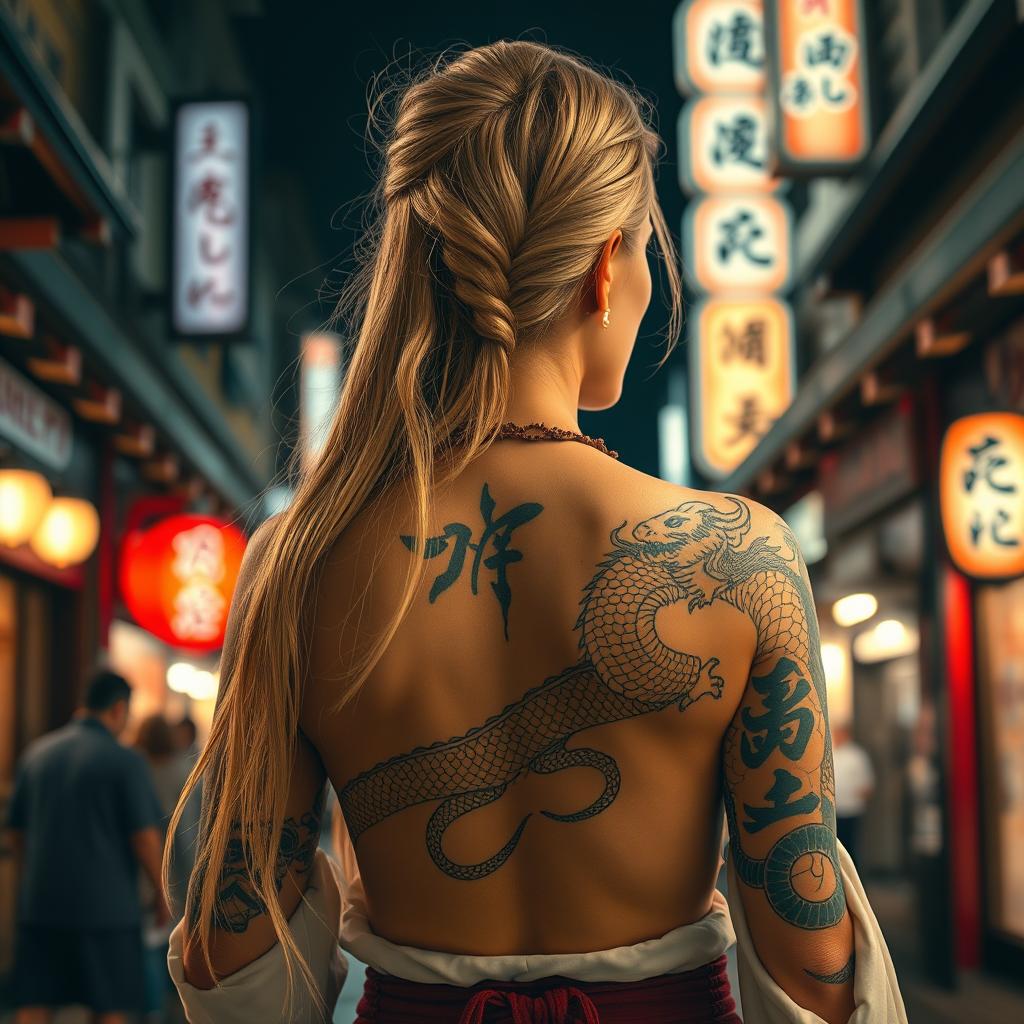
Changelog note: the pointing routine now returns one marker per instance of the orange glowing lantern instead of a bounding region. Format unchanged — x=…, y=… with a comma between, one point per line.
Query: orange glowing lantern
x=24, y=498
x=981, y=481
x=177, y=578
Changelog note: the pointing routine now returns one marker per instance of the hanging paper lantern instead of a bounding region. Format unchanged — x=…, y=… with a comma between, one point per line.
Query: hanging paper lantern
x=68, y=532
x=981, y=494
x=177, y=578
x=24, y=497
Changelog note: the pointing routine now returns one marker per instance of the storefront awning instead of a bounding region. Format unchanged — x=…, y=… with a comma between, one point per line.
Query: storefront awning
x=149, y=373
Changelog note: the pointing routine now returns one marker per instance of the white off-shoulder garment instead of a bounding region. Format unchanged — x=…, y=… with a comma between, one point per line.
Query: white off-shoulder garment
x=332, y=918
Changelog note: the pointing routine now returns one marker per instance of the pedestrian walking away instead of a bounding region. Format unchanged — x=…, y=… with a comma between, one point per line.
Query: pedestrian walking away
x=84, y=817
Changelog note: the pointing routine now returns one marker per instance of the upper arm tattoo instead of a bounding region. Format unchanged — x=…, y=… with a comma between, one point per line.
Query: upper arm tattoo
x=237, y=902
x=779, y=747
x=696, y=553
x=496, y=534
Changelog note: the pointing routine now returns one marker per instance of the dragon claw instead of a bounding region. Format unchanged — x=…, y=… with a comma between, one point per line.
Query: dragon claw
x=707, y=682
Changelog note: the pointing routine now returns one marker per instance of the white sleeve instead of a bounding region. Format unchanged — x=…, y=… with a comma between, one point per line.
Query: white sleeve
x=259, y=991
x=876, y=992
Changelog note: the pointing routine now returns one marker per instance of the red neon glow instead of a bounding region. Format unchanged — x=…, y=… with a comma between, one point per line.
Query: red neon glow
x=177, y=578
x=963, y=773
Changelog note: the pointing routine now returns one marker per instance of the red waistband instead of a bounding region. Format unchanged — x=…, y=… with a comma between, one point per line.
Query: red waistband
x=701, y=996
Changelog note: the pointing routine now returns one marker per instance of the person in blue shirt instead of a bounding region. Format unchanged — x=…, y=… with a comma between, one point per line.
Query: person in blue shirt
x=84, y=816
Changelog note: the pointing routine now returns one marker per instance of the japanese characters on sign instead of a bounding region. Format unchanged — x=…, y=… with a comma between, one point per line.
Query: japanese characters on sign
x=724, y=146
x=719, y=46
x=177, y=578
x=742, y=357
x=981, y=480
x=817, y=85
x=32, y=420
x=210, y=292
x=737, y=233
x=738, y=244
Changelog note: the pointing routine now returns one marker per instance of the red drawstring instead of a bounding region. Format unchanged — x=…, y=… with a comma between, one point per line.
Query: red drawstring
x=551, y=1007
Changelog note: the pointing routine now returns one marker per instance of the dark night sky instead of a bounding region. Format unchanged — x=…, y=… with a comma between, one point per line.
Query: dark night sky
x=315, y=62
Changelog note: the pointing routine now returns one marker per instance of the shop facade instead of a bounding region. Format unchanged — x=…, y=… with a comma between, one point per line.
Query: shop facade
x=909, y=295
x=106, y=405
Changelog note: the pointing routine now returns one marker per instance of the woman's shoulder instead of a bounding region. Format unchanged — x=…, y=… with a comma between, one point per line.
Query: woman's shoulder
x=631, y=493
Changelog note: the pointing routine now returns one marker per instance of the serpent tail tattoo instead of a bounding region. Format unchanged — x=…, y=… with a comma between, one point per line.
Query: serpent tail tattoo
x=693, y=553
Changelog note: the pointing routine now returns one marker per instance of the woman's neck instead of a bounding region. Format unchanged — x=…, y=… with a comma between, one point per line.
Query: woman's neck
x=546, y=381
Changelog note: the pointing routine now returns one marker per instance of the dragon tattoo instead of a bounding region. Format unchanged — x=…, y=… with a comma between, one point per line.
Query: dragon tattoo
x=692, y=553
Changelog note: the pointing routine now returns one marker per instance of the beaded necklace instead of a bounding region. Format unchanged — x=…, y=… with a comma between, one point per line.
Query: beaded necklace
x=541, y=432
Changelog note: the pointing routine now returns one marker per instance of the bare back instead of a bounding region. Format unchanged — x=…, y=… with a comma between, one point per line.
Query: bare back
x=535, y=763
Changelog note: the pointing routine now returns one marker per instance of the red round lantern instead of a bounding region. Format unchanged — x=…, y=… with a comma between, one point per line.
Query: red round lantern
x=177, y=578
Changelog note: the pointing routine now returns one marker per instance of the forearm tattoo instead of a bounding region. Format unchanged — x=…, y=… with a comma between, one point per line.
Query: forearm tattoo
x=237, y=902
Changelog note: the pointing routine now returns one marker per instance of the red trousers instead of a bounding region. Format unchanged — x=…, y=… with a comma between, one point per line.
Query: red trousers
x=695, y=997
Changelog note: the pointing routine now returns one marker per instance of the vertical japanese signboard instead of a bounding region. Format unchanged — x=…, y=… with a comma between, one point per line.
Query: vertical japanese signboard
x=981, y=481
x=210, y=247
x=817, y=85
x=737, y=233
x=742, y=356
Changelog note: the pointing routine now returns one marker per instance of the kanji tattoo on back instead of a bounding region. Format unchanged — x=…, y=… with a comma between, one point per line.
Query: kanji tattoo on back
x=458, y=537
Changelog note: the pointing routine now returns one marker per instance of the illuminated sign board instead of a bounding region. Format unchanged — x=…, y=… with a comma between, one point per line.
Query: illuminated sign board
x=981, y=489
x=177, y=578
x=738, y=244
x=817, y=75
x=723, y=144
x=211, y=195
x=719, y=46
x=743, y=376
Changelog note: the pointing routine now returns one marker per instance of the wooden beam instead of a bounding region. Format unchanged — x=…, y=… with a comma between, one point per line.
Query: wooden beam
x=163, y=470
x=936, y=337
x=799, y=455
x=833, y=428
x=17, y=314
x=29, y=233
x=1006, y=271
x=137, y=441
x=876, y=389
x=62, y=364
x=103, y=405
x=18, y=129
x=191, y=488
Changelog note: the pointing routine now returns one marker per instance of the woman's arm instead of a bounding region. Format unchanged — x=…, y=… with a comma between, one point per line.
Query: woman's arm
x=242, y=930
x=780, y=791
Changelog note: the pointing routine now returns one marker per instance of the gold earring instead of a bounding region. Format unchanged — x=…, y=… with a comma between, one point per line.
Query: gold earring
x=604, y=319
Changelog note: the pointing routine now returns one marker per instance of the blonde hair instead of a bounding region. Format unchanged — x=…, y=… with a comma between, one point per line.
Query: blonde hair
x=505, y=170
